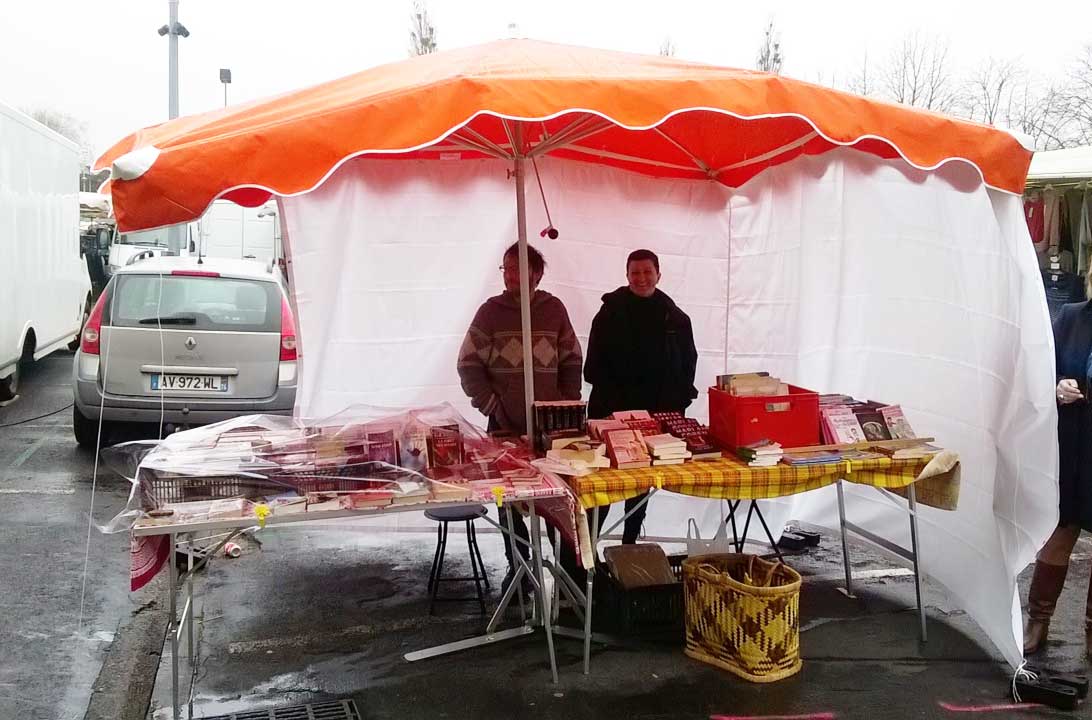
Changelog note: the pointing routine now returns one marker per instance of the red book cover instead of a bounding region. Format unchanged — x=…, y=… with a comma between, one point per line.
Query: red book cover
x=445, y=446
x=382, y=447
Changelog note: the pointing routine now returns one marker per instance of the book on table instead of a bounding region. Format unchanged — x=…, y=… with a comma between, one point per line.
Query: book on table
x=626, y=449
x=872, y=424
x=842, y=425
x=597, y=428
x=445, y=443
x=664, y=443
x=916, y=452
x=897, y=423
x=815, y=457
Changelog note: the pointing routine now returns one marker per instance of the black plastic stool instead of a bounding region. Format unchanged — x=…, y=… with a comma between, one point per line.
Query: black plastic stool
x=477, y=567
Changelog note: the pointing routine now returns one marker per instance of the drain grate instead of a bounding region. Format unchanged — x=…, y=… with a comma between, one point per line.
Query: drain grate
x=336, y=710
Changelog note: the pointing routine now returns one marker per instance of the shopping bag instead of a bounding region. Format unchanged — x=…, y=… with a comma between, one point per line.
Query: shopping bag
x=718, y=544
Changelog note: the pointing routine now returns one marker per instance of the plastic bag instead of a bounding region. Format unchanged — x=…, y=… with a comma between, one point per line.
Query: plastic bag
x=718, y=544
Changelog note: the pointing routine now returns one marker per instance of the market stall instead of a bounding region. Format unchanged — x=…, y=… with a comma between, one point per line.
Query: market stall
x=1058, y=208
x=845, y=243
x=259, y=471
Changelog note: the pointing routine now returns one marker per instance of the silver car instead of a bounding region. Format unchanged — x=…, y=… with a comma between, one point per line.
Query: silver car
x=180, y=342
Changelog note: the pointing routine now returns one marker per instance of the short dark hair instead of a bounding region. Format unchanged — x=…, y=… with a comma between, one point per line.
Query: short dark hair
x=638, y=255
x=534, y=257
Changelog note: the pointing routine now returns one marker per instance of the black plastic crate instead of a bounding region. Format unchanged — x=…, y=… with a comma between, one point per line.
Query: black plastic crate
x=656, y=608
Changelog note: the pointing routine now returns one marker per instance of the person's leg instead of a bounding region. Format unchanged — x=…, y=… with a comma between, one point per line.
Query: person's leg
x=1051, y=567
x=634, y=522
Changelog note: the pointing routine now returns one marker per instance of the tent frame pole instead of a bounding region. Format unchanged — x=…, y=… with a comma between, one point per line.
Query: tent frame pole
x=524, y=278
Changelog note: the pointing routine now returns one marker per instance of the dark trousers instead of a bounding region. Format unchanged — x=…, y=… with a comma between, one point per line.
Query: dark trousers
x=631, y=528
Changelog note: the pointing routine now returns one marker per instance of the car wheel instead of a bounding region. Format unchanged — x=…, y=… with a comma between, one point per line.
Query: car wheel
x=9, y=386
x=86, y=430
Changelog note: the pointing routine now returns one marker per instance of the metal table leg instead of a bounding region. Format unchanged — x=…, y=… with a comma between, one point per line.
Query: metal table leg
x=541, y=596
x=594, y=529
x=912, y=500
x=845, y=539
x=172, y=591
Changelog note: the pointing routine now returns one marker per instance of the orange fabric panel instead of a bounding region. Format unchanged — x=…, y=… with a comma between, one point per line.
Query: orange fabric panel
x=291, y=142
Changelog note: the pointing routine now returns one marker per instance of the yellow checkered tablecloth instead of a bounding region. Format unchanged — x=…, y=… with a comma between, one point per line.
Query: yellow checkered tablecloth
x=731, y=479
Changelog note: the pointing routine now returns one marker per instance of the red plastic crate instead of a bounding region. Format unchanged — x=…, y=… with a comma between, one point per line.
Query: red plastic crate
x=792, y=420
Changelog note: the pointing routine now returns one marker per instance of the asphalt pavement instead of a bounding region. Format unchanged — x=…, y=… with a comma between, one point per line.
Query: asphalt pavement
x=315, y=613
x=63, y=586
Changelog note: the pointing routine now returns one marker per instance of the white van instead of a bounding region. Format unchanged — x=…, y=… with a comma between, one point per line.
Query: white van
x=44, y=286
x=226, y=230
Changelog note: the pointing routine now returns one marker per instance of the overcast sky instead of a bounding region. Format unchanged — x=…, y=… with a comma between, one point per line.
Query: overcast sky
x=103, y=63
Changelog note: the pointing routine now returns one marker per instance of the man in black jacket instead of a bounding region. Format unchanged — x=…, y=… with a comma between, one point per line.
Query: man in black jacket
x=641, y=356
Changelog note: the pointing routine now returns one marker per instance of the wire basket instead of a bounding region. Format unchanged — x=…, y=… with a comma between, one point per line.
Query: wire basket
x=743, y=615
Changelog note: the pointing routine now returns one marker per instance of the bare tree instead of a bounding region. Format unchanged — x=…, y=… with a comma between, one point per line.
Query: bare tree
x=422, y=32
x=917, y=73
x=1042, y=114
x=1078, y=95
x=990, y=88
x=863, y=83
x=667, y=48
x=64, y=124
x=770, y=57
x=61, y=123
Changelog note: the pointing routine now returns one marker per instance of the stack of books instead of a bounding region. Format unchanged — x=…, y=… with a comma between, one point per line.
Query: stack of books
x=582, y=454
x=812, y=457
x=763, y=453
x=696, y=436
x=627, y=450
x=752, y=384
x=846, y=420
x=639, y=420
x=667, y=449
x=598, y=429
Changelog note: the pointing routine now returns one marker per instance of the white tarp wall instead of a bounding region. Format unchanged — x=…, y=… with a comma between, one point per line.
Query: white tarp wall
x=847, y=274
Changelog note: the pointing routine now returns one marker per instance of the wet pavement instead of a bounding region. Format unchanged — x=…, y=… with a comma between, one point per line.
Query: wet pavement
x=322, y=611
x=63, y=590
x=309, y=614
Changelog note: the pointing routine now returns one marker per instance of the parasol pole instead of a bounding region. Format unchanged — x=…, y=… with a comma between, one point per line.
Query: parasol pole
x=524, y=280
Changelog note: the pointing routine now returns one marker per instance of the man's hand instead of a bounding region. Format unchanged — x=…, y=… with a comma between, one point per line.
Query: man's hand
x=1068, y=392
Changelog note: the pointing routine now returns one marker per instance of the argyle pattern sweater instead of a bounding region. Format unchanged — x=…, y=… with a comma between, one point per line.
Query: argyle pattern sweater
x=491, y=358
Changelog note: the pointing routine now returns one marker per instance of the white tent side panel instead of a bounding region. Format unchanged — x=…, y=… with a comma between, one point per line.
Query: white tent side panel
x=845, y=273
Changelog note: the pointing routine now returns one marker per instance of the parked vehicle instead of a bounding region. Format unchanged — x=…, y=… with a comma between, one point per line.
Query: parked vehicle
x=43, y=280
x=180, y=342
x=226, y=230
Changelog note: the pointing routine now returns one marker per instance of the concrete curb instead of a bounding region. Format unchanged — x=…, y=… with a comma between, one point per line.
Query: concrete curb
x=123, y=689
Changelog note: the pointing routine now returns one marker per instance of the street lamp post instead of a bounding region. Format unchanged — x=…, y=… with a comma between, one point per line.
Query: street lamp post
x=173, y=29
x=225, y=78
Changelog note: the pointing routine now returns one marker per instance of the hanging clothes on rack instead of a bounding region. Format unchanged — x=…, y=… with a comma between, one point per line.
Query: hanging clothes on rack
x=1033, y=214
x=1084, y=234
x=1062, y=288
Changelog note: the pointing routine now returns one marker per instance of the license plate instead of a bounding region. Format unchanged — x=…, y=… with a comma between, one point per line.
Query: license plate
x=199, y=383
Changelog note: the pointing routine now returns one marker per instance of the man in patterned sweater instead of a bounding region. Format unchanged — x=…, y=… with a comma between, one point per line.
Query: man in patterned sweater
x=491, y=358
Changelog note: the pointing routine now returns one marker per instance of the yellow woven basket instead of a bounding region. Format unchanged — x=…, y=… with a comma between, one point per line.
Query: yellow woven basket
x=743, y=615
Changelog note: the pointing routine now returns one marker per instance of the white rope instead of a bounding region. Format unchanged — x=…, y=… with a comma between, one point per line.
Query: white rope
x=103, y=363
x=1021, y=674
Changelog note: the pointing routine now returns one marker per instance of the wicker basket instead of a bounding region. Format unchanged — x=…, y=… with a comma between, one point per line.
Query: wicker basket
x=742, y=615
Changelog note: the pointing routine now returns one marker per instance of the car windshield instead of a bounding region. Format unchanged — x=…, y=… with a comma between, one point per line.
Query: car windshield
x=152, y=238
x=193, y=302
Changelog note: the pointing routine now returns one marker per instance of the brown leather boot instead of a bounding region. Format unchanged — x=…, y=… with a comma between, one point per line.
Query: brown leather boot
x=1046, y=586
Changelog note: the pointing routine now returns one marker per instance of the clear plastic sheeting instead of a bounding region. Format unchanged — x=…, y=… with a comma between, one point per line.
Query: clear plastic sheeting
x=264, y=467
